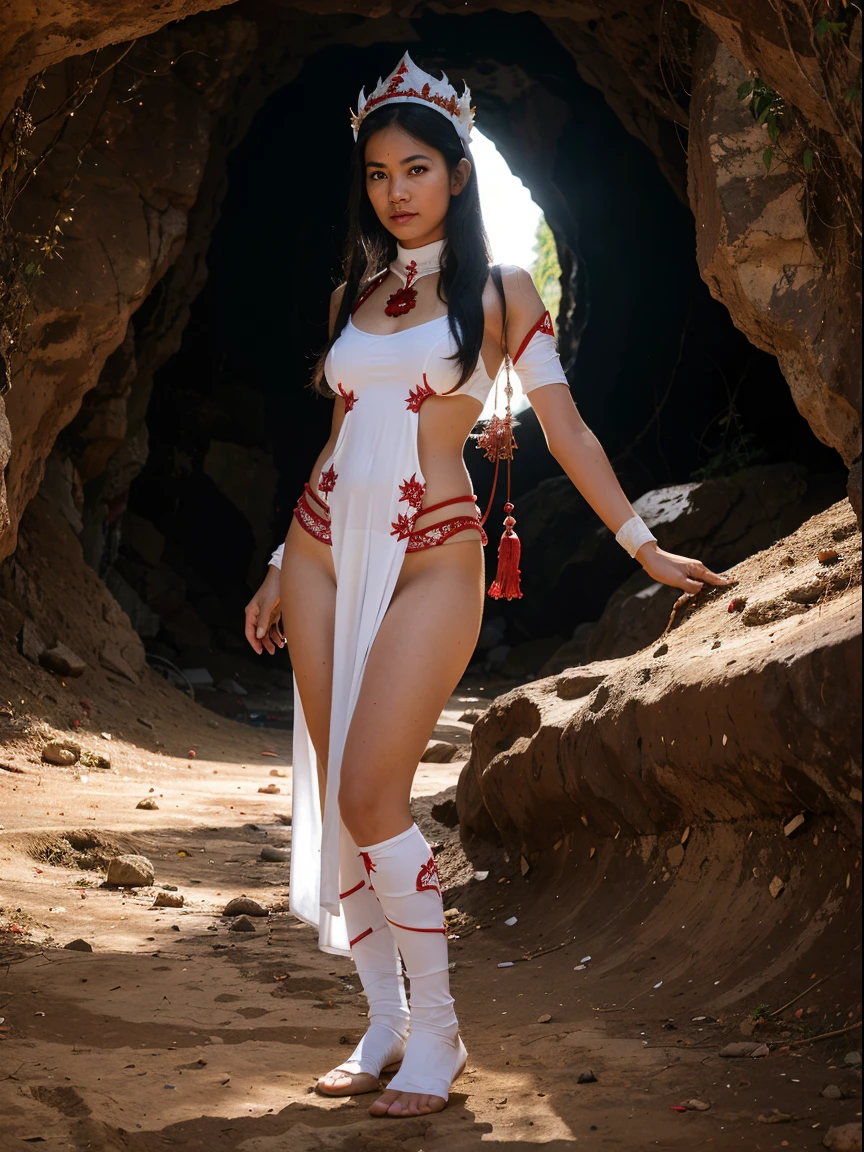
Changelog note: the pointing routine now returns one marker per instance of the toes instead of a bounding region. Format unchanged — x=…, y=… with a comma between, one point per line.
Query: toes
x=382, y=1104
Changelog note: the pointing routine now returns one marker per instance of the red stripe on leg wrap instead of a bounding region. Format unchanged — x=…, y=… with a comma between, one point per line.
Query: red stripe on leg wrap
x=351, y=891
x=407, y=927
x=362, y=936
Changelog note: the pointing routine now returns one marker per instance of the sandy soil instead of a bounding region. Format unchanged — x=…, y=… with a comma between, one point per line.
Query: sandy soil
x=176, y=1032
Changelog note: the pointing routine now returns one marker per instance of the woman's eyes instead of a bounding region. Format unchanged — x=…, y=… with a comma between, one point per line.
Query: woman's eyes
x=414, y=170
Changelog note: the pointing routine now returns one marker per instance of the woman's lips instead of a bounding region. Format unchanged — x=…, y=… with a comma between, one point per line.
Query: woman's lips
x=402, y=217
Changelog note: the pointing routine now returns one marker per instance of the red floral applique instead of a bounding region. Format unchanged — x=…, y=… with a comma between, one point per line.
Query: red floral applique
x=349, y=398
x=404, y=298
x=427, y=877
x=402, y=526
x=423, y=392
x=369, y=866
x=327, y=480
x=412, y=490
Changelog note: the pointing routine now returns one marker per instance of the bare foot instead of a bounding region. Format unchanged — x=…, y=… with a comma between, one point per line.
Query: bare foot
x=406, y=1104
x=340, y=1082
x=414, y=1072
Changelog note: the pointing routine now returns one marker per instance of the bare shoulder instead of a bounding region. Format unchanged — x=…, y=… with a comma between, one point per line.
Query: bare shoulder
x=519, y=288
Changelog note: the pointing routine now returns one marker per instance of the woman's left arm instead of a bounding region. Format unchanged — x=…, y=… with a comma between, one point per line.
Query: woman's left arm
x=581, y=455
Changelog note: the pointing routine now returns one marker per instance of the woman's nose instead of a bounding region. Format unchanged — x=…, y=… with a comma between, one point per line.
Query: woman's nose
x=398, y=193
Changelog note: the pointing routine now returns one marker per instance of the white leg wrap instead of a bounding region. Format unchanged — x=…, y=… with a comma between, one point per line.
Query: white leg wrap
x=376, y=958
x=404, y=878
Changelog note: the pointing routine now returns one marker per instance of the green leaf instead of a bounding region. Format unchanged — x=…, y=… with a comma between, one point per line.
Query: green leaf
x=825, y=27
x=767, y=157
x=773, y=129
x=745, y=89
x=807, y=158
x=852, y=96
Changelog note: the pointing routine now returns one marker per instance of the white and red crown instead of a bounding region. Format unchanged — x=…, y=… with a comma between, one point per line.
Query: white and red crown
x=408, y=84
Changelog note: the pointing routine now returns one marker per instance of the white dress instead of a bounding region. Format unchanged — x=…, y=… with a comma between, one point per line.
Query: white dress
x=373, y=485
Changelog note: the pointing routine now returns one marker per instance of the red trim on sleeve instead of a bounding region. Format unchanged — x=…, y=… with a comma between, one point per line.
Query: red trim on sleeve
x=544, y=324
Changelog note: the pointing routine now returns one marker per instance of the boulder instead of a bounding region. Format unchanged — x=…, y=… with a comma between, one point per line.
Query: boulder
x=244, y=906
x=441, y=752
x=30, y=643
x=61, y=753
x=148, y=804
x=130, y=872
x=843, y=1138
x=169, y=900
x=62, y=660
x=605, y=766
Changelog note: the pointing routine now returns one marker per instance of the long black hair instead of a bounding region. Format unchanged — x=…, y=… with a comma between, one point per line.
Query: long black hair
x=370, y=248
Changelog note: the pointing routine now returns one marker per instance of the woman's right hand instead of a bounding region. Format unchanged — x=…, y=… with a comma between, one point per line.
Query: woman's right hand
x=263, y=616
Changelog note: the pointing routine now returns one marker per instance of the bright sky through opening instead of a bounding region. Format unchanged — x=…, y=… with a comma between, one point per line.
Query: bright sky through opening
x=511, y=218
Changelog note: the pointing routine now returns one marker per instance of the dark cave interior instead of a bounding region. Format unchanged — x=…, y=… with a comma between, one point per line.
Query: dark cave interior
x=657, y=368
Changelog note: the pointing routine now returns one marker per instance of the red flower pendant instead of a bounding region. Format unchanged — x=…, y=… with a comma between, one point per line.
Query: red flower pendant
x=405, y=298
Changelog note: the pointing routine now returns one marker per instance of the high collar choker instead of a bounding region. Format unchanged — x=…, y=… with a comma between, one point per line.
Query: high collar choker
x=426, y=260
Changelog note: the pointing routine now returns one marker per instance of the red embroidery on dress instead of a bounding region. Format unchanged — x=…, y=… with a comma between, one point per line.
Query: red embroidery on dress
x=327, y=480
x=415, y=399
x=427, y=877
x=349, y=398
x=369, y=866
x=402, y=526
x=404, y=298
x=412, y=490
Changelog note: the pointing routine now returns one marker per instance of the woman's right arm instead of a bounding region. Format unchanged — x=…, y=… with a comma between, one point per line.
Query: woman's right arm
x=262, y=609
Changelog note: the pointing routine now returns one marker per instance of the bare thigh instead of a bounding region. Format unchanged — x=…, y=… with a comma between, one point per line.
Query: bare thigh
x=308, y=601
x=419, y=655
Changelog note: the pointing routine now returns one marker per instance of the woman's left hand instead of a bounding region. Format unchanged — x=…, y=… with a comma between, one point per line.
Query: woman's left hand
x=678, y=571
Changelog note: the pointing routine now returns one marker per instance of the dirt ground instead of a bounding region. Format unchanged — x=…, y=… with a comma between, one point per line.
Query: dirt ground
x=175, y=1032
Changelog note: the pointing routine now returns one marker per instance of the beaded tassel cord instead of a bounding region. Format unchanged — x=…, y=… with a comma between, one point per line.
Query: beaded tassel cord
x=498, y=443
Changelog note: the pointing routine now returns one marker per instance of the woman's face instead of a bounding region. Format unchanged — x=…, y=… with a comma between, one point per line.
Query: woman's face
x=409, y=185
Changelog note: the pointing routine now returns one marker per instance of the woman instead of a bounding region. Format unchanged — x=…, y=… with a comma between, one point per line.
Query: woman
x=381, y=583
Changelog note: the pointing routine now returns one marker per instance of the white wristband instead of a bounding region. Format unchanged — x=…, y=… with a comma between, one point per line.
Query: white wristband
x=276, y=558
x=633, y=534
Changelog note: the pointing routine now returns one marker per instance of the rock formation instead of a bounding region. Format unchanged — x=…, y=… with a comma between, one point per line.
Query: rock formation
x=135, y=112
x=702, y=796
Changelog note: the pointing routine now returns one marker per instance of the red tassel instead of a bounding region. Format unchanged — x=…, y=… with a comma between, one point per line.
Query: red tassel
x=506, y=584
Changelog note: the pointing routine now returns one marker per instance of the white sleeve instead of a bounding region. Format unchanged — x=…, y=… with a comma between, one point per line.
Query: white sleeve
x=537, y=362
x=276, y=558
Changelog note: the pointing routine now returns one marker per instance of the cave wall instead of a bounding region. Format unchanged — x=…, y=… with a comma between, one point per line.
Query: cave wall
x=135, y=181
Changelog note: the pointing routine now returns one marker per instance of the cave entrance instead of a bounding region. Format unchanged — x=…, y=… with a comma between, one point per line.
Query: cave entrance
x=657, y=368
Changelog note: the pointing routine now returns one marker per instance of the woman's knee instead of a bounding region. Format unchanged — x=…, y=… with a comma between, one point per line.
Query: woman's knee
x=365, y=807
